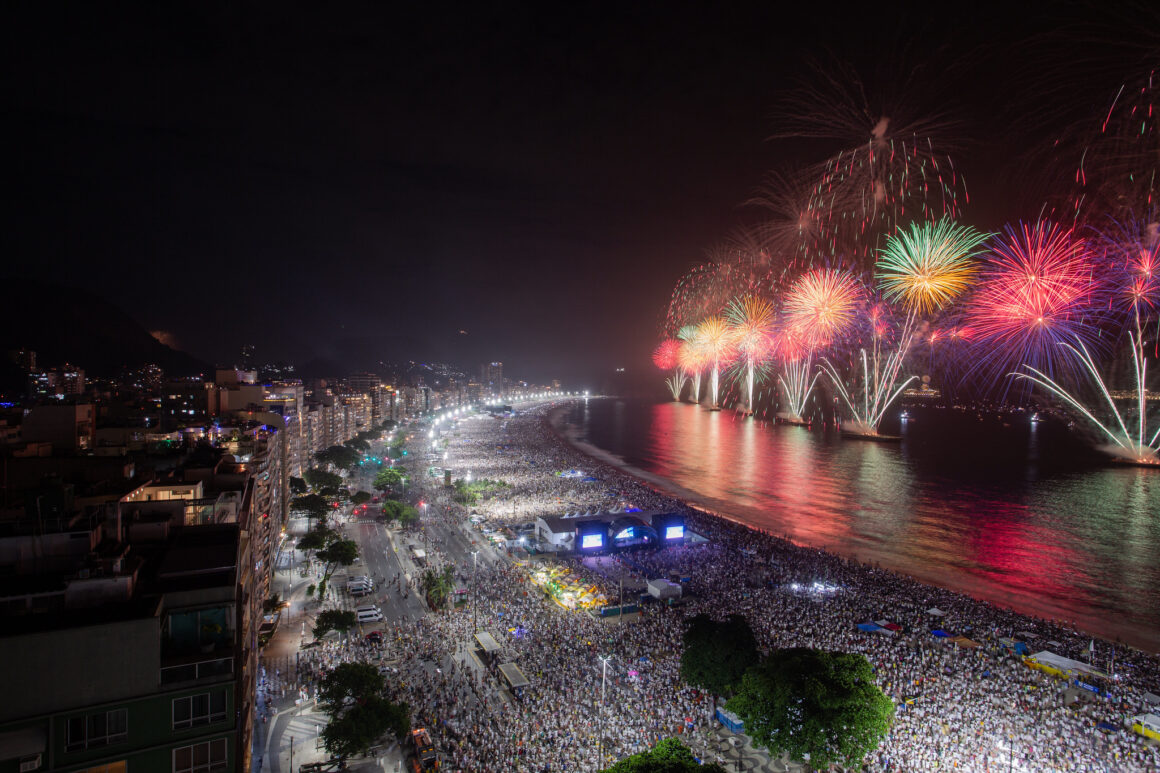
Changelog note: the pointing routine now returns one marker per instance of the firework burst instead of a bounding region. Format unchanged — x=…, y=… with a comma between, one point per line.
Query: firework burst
x=715, y=336
x=817, y=309
x=752, y=321
x=667, y=356
x=821, y=305
x=928, y=265
x=894, y=167
x=1038, y=288
x=691, y=357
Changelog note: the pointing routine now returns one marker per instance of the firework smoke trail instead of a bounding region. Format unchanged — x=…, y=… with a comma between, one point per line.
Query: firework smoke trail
x=1039, y=287
x=1136, y=447
x=667, y=357
x=716, y=338
x=818, y=308
x=751, y=319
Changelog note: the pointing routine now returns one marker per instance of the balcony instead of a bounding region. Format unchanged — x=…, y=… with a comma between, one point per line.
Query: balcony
x=194, y=668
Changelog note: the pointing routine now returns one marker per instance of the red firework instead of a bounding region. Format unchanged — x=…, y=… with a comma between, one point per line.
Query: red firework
x=666, y=355
x=1036, y=291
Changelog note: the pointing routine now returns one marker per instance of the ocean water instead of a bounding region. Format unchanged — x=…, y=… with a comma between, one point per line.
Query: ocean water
x=1019, y=514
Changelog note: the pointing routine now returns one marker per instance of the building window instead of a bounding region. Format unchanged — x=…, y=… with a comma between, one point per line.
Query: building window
x=194, y=710
x=100, y=729
x=208, y=757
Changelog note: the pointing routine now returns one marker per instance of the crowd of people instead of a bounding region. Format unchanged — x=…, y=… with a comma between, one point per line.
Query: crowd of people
x=975, y=708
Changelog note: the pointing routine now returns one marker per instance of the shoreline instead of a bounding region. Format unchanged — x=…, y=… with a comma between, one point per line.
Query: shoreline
x=696, y=503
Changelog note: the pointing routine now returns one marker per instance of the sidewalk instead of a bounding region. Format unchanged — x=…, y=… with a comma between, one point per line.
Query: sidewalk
x=294, y=729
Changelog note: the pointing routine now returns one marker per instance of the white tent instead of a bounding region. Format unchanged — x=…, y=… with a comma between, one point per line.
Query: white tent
x=936, y=612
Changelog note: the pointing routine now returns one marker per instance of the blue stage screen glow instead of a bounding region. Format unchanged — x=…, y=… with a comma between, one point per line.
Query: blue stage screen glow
x=674, y=532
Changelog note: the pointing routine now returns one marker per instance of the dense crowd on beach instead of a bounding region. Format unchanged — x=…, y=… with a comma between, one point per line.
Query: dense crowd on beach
x=966, y=708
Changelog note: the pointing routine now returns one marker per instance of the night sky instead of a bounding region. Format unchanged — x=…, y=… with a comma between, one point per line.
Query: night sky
x=537, y=175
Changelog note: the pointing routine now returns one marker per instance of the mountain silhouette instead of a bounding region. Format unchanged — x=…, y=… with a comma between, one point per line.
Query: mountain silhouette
x=63, y=324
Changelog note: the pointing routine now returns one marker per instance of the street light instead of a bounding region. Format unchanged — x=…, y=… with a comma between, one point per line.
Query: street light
x=600, y=739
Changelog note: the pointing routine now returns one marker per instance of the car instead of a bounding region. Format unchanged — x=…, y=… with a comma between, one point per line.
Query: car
x=375, y=636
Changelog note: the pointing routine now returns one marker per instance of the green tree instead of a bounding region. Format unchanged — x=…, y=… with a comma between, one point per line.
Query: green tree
x=359, y=714
x=668, y=756
x=333, y=620
x=389, y=479
x=340, y=551
x=821, y=707
x=318, y=479
x=297, y=486
x=437, y=586
x=341, y=457
x=463, y=494
x=358, y=444
x=405, y=514
x=313, y=506
x=717, y=654
x=317, y=538
x=360, y=497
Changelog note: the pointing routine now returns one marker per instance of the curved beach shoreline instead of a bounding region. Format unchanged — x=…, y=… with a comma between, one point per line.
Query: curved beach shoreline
x=707, y=506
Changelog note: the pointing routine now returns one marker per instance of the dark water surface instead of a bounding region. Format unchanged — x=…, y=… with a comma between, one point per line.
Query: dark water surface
x=1017, y=514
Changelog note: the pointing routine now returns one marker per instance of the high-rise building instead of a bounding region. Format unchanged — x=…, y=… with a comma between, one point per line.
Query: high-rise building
x=25, y=359
x=491, y=377
x=135, y=636
x=246, y=357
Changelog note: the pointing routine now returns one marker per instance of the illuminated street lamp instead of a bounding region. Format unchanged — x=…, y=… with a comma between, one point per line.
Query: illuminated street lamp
x=603, y=679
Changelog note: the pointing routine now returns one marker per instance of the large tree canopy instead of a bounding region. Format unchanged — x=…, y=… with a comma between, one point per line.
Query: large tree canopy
x=317, y=538
x=342, y=457
x=668, y=756
x=359, y=715
x=320, y=479
x=313, y=506
x=394, y=510
x=334, y=620
x=389, y=478
x=717, y=654
x=340, y=551
x=821, y=707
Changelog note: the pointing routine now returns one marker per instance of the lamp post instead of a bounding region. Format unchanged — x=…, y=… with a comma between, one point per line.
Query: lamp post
x=600, y=725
